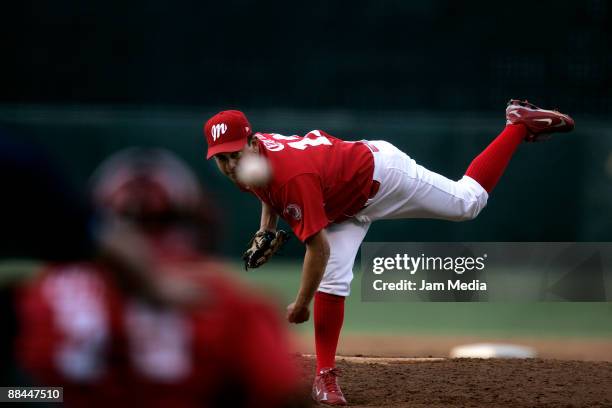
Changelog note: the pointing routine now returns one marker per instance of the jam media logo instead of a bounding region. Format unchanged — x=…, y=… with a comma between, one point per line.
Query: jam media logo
x=218, y=130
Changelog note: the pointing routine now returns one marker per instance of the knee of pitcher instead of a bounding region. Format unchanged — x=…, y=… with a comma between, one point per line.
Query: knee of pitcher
x=472, y=211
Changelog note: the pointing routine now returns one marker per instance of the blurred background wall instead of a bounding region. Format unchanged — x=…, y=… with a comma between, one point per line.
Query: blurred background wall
x=88, y=78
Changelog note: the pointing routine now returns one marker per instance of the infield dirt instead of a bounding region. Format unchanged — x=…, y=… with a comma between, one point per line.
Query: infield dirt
x=474, y=383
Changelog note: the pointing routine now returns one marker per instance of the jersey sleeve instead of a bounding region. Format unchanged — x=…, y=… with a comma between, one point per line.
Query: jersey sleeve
x=301, y=200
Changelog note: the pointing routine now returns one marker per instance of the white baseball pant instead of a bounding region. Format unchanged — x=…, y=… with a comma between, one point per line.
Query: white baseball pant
x=407, y=190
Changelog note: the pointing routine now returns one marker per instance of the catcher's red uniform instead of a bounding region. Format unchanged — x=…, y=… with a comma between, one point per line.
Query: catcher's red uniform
x=80, y=332
x=313, y=187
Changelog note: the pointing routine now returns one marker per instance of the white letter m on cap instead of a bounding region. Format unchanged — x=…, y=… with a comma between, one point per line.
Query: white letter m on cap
x=218, y=130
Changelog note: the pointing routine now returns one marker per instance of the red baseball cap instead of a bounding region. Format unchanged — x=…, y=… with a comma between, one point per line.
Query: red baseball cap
x=226, y=132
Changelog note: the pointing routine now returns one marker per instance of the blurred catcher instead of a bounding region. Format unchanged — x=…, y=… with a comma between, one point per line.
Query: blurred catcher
x=330, y=191
x=87, y=327
x=62, y=233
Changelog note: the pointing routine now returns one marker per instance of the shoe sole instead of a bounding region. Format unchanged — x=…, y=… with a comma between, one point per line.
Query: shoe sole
x=568, y=121
x=553, y=112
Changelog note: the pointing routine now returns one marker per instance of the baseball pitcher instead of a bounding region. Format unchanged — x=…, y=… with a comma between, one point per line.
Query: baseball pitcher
x=330, y=191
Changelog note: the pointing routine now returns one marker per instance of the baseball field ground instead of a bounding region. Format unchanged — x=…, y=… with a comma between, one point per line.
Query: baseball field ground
x=573, y=342
x=475, y=383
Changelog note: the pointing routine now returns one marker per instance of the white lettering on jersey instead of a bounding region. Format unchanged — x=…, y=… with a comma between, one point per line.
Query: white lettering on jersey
x=76, y=297
x=307, y=140
x=295, y=142
x=160, y=342
x=218, y=130
x=281, y=137
x=270, y=144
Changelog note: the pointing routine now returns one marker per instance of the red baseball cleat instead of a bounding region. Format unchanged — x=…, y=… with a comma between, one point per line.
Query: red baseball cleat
x=539, y=122
x=325, y=389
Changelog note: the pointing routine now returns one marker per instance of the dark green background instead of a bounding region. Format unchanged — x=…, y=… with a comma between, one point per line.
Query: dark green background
x=428, y=55
x=554, y=191
x=88, y=78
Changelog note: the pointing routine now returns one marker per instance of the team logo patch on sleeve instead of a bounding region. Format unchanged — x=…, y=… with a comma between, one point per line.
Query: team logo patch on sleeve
x=294, y=211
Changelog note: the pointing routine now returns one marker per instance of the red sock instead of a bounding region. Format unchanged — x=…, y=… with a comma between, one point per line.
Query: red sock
x=328, y=319
x=488, y=166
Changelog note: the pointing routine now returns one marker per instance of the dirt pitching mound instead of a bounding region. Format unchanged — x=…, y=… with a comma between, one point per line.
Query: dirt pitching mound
x=473, y=383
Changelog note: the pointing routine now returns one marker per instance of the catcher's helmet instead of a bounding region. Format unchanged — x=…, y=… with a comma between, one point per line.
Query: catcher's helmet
x=144, y=183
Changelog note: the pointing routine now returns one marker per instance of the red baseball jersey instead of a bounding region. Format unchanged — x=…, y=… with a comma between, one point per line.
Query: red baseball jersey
x=107, y=349
x=316, y=179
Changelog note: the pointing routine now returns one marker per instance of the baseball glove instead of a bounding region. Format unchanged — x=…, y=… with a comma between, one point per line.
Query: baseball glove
x=262, y=246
